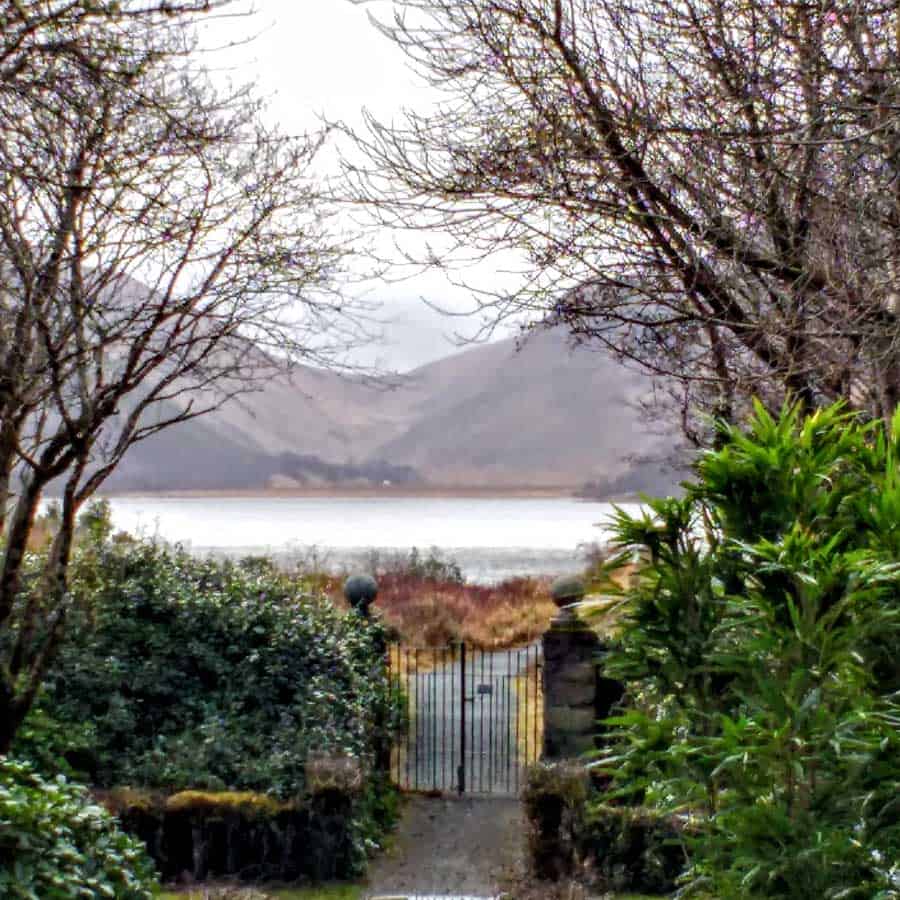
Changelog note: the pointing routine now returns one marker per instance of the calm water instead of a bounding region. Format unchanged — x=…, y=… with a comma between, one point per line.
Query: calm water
x=489, y=538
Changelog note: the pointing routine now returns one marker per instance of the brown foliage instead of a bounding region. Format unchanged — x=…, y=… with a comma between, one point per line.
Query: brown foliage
x=433, y=613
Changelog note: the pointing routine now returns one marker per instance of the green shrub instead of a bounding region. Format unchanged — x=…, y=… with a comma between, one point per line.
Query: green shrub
x=55, y=747
x=182, y=674
x=56, y=844
x=632, y=848
x=211, y=675
x=762, y=655
x=554, y=797
x=573, y=833
x=246, y=836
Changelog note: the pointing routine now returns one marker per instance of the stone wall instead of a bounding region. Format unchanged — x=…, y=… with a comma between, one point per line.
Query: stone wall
x=576, y=693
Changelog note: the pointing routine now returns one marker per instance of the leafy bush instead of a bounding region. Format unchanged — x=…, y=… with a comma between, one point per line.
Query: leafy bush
x=554, y=797
x=186, y=674
x=762, y=652
x=212, y=675
x=628, y=848
x=55, y=747
x=55, y=844
x=573, y=833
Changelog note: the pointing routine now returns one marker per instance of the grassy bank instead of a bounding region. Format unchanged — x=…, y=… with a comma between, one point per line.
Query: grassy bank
x=432, y=612
x=339, y=892
x=426, y=601
x=323, y=892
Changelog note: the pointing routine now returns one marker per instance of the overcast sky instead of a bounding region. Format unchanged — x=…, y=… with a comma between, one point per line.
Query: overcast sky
x=313, y=58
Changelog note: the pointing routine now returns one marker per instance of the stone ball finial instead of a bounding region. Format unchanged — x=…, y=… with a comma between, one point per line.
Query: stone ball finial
x=361, y=591
x=567, y=589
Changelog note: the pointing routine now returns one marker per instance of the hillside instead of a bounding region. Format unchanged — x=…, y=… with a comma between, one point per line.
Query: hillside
x=492, y=415
x=545, y=414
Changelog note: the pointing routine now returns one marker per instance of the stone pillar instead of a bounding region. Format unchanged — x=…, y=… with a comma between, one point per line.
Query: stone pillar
x=576, y=694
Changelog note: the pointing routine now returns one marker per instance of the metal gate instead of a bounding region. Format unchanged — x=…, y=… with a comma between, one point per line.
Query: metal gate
x=474, y=717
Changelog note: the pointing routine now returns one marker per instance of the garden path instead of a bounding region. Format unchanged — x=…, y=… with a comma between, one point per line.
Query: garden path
x=452, y=848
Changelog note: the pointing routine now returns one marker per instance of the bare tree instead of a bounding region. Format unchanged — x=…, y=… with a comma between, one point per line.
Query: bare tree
x=160, y=251
x=707, y=187
x=34, y=32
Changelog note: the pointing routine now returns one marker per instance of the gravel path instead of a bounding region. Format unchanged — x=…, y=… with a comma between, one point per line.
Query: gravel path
x=451, y=846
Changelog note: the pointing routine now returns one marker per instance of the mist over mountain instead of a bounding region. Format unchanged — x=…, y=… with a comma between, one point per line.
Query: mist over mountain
x=493, y=415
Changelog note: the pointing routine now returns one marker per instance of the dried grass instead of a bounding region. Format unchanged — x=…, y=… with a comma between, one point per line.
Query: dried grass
x=429, y=613
x=529, y=688
x=426, y=601
x=437, y=612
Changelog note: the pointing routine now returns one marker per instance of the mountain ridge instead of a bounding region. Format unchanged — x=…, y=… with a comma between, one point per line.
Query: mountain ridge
x=499, y=414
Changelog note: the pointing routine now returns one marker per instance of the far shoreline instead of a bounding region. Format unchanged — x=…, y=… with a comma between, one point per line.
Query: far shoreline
x=493, y=492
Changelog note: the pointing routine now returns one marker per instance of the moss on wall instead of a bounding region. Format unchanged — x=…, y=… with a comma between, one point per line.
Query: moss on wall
x=198, y=835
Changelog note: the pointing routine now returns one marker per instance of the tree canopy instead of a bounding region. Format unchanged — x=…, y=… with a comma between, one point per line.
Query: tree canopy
x=161, y=249
x=709, y=188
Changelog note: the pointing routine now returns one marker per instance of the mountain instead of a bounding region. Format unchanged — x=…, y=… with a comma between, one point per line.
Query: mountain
x=493, y=415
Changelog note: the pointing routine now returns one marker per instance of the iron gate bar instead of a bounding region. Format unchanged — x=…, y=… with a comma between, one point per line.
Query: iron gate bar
x=443, y=689
x=525, y=684
x=491, y=773
x=481, y=759
x=444, y=714
x=505, y=729
x=480, y=720
x=434, y=718
x=509, y=709
x=485, y=762
x=452, y=684
x=418, y=719
x=518, y=679
x=462, y=720
x=409, y=717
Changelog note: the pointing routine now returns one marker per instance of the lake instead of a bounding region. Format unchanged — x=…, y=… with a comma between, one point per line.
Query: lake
x=490, y=538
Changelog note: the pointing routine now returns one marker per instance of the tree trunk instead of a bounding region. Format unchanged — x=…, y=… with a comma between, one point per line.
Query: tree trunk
x=11, y=716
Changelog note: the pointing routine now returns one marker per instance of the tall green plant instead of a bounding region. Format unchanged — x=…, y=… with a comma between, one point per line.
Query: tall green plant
x=760, y=647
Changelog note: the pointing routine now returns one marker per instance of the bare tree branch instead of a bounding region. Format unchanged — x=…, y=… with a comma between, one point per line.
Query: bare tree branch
x=708, y=188
x=161, y=251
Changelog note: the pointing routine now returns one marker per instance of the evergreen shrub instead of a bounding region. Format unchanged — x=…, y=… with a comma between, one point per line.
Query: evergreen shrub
x=200, y=674
x=554, y=796
x=632, y=848
x=761, y=649
x=180, y=674
x=573, y=834
x=56, y=843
